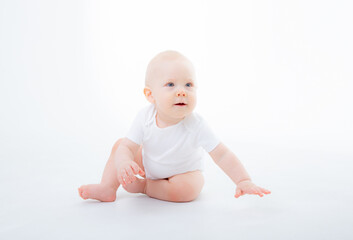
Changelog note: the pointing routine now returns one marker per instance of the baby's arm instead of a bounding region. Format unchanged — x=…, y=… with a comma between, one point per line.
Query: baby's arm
x=231, y=165
x=124, y=156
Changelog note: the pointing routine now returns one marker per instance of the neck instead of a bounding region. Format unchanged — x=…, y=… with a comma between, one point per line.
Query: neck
x=163, y=121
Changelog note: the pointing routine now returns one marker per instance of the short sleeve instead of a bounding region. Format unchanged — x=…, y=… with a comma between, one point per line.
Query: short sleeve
x=135, y=132
x=206, y=137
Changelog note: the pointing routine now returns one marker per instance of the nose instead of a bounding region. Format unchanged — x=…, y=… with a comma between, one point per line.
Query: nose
x=181, y=93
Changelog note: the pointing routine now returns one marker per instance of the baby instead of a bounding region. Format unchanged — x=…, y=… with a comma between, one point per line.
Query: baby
x=166, y=142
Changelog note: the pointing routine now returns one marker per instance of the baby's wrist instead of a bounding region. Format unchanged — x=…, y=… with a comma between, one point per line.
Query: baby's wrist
x=244, y=180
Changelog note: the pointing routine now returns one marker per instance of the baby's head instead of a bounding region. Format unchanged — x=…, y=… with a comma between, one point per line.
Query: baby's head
x=170, y=84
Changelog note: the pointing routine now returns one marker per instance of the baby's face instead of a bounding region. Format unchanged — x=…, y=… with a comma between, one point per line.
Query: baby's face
x=173, y=88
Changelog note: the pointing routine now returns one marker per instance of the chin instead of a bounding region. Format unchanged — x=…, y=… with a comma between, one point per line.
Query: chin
x=183, y=115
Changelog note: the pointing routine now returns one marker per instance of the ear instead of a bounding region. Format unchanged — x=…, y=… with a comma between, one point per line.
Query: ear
x=148, y=94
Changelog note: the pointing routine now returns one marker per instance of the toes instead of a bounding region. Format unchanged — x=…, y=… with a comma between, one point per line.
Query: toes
x=82, y=193
x=85, y=195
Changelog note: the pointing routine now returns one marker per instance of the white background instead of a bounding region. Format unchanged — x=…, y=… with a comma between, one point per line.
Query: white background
x=275, y=84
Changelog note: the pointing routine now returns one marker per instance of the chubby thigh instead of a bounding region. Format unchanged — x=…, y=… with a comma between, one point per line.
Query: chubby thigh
x=183, y=187
x=194, y=179
x=186, y=186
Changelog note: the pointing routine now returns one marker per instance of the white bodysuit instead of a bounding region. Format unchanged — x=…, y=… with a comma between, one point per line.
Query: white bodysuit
x=172, y=150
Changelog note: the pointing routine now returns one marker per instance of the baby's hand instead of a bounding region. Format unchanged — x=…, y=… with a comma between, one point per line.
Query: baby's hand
x=127, y=171
x=247, y=187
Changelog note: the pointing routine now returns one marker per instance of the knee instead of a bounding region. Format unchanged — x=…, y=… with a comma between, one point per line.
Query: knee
x=184, y=191
x=116, y=144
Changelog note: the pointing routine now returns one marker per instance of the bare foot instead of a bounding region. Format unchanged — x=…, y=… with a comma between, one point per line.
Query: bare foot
x=138, y=186
x=99, y=192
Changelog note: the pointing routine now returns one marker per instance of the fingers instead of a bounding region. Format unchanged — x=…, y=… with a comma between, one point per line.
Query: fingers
x=261, y=191
x=137, y=170
x=254, y=190
x=265, y=191
x=121, y=177
x=130, y=175
x=257, y=191
x=238, y=193
x=124, y=177
x=127, y=174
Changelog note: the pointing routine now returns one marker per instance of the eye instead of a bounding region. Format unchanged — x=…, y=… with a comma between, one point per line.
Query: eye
x=189, y=85
x=170, y=84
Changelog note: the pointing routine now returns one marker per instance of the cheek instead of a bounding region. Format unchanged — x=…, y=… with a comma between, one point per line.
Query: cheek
x=165, y=100
x=193, y=98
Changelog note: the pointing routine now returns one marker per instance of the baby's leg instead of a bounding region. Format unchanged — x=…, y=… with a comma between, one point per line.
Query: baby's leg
x=179, y=188
x=106, y=190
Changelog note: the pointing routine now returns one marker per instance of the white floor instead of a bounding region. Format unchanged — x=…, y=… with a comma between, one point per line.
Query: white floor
x=311, y=199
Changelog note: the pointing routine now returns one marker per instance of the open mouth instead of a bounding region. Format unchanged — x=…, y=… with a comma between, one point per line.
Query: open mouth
x=180, y=104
